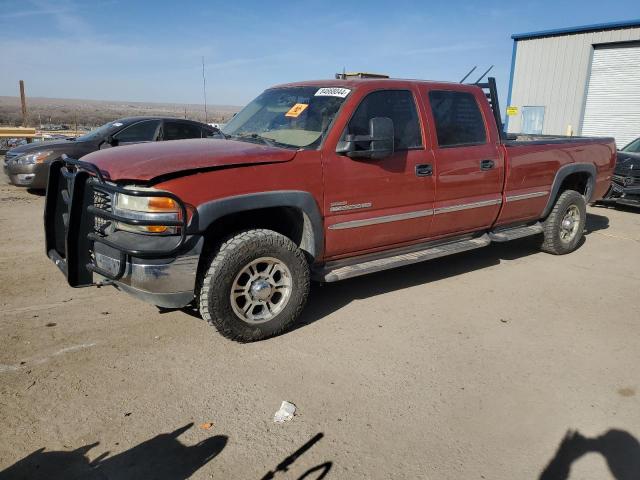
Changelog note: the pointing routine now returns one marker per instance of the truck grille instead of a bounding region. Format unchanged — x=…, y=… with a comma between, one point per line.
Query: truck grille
x=102, y=200
x=626, y=180
x=79, y=213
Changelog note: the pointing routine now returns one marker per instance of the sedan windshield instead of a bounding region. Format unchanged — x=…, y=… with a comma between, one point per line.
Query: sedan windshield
x=633, y=147
x=290, y=117
x=99, y=132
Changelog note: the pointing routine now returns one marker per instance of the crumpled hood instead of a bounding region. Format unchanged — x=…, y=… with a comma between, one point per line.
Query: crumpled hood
x=628, y=163
x=150, y=160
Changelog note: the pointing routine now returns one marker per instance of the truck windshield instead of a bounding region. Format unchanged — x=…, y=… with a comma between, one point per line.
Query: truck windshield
x=289, y=117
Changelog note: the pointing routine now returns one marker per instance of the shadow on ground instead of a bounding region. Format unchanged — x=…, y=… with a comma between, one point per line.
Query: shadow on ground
x=162, y=457
x=620, y=449
x=330, y=297
x=315, y=473
x=621, y=207
x=37, y=192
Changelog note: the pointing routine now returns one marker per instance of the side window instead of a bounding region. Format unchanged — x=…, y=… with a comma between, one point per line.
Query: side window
x=180, y=131
x=458, y=119
x=399, y=106
x=138, y=132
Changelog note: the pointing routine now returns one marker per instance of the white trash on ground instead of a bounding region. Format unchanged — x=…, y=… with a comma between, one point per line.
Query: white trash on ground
x=286, y=412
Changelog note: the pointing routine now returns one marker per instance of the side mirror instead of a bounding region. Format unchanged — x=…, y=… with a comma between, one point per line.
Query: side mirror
x=111, y=141
x=380, y=141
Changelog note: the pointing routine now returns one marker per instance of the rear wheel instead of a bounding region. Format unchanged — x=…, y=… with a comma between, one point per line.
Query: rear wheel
x=255, y=286
x=564, y=227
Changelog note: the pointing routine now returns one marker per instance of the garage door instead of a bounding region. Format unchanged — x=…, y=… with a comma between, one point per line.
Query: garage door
x=613, y=95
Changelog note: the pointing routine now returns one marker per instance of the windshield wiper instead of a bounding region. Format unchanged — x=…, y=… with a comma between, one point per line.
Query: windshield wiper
x=253, y=136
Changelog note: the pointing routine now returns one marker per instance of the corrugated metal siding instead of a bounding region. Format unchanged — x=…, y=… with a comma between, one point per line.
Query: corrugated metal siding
x=613, y=94
x=552, y=72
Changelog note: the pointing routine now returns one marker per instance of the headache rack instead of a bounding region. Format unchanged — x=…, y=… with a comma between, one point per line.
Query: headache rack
x=491, y=92
x=79, y=214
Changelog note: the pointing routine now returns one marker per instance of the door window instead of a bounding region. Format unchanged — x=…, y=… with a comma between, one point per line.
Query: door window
x=532, y=120
x=180, y=130
x=138, y=132
x=458, y=119
x=399, y=106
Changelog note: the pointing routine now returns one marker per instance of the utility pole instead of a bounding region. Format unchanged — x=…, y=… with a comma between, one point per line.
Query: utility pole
x=204, y=91
x=23, y=101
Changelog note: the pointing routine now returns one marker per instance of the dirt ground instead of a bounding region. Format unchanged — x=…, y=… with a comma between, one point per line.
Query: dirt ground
x=468, y=367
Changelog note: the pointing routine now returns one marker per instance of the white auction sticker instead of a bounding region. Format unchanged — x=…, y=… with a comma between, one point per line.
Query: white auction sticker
x=333, y=92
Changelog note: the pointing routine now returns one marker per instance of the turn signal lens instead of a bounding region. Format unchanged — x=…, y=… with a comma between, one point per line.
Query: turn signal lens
x=162, y=204
x=156, y=228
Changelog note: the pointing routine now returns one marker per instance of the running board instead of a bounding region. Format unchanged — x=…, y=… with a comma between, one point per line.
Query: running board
x=514, y=233
x=376, y=265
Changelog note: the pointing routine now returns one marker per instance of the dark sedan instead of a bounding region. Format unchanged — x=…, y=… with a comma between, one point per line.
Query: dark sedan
x=28, y=165
x=625, y=183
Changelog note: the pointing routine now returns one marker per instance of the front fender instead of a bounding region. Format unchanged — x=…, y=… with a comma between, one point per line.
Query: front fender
x=313, y=230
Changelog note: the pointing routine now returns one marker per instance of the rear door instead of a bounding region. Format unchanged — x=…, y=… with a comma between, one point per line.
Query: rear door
x=377, y=203
x=177, y=130
x=469, y=170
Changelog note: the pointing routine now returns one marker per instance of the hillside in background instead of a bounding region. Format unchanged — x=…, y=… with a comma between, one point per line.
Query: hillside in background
x=91, y=113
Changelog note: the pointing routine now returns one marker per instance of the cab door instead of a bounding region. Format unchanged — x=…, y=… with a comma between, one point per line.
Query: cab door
x=372, y=204
x=469, y=171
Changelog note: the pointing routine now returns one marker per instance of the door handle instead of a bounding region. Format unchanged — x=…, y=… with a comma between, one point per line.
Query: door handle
x=424, y=170
x=487, y=164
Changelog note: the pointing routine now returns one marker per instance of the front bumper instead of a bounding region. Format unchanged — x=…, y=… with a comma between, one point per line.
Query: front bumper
x=166, y=282
x=31, y=176
x=623, y=195
x=80, y=239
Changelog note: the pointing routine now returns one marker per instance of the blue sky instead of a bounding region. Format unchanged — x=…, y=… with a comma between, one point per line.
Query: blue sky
x=151, y=51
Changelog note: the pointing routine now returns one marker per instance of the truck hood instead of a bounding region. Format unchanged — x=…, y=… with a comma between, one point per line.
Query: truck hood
x=150, y=160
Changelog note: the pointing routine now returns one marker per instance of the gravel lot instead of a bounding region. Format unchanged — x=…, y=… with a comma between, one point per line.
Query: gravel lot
x=468, y=367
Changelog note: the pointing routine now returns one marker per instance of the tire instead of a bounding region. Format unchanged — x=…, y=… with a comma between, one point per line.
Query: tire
x=255, y=285
x=564, y=227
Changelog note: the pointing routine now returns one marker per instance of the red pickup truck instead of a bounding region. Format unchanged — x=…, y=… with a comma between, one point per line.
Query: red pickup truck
x=320, y=180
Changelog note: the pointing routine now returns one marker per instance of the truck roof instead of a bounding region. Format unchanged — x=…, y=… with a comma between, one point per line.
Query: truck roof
x=379, y=83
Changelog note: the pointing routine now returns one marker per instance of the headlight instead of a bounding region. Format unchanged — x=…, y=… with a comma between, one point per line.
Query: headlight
x=162, y=209
x=32, y=158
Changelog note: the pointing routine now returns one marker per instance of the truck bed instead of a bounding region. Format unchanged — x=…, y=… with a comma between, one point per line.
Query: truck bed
x=533, y=162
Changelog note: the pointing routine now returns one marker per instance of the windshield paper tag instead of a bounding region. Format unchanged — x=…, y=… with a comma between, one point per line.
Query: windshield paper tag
x=296, y=110
x=333, y=92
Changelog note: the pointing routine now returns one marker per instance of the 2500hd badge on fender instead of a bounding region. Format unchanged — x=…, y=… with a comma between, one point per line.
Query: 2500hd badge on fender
x=320, y=180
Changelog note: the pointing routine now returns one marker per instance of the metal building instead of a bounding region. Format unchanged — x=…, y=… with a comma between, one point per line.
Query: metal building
x=577, y=81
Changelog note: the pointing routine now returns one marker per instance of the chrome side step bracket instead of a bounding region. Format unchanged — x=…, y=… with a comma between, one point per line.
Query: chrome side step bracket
x=376, y=265
x=514, y=233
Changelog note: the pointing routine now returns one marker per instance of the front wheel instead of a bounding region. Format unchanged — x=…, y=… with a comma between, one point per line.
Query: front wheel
x=255, y=286
x=564, y=227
